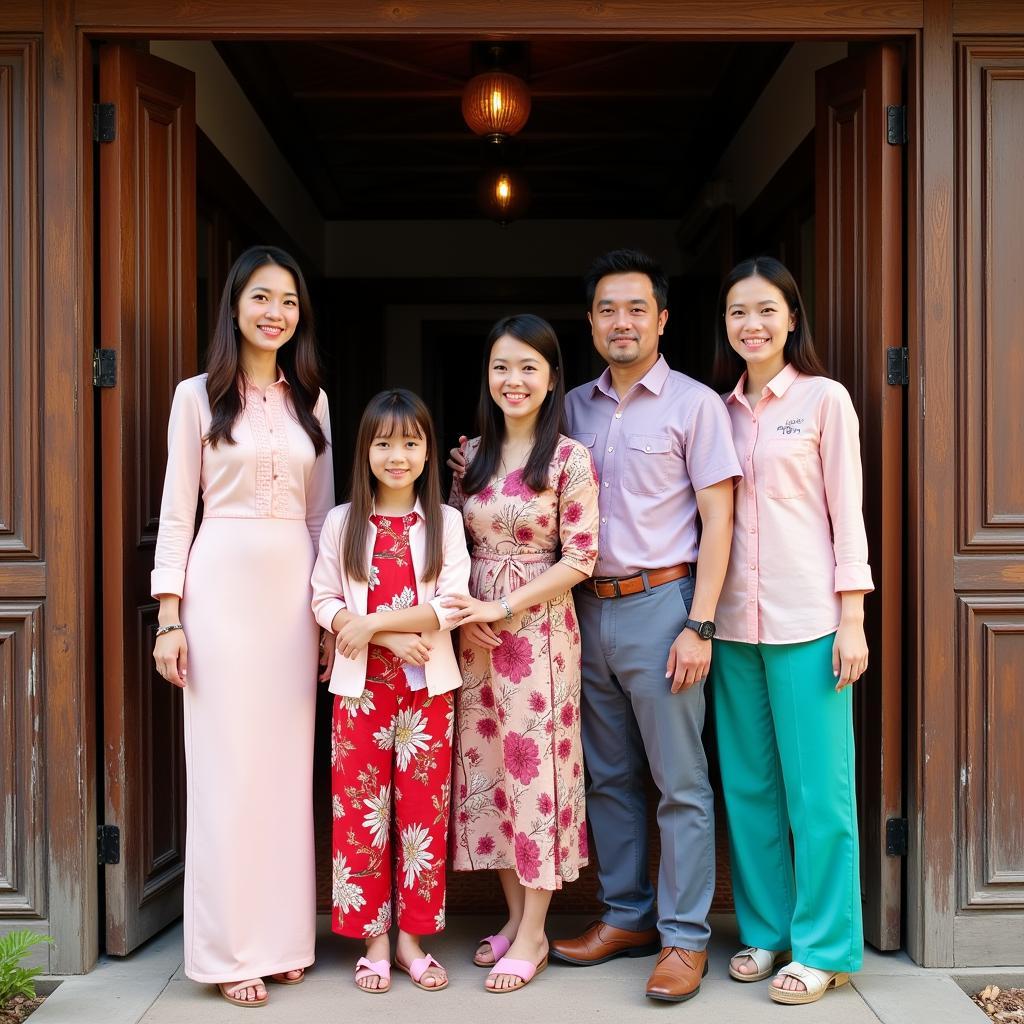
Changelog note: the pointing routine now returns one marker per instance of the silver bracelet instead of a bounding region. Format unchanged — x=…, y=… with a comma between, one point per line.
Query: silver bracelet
x=503, y=601
x=169, y=629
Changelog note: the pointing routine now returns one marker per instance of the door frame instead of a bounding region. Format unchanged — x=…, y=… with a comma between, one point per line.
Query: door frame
x=68, y=29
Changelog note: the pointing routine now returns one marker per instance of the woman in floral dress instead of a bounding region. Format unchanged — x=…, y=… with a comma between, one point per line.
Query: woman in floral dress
x=529, y=502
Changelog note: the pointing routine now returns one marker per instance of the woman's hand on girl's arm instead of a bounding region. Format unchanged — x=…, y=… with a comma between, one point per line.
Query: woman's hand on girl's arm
x=410, y=647
x=466, y=609
x=457, y=457
x=850, y=649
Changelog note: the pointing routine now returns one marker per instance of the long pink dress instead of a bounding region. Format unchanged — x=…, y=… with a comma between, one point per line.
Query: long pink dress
x=250, y=900
x=518, y=792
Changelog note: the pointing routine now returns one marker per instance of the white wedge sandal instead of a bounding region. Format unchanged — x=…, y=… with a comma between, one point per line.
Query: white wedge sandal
x=764, y=960
x=816, y=983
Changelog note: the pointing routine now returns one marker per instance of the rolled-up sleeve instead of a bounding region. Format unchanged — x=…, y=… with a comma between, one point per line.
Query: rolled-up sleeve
x=181, y=493
x=841, y=468
x=454, y=577
x=320, y=496
x=328, y=588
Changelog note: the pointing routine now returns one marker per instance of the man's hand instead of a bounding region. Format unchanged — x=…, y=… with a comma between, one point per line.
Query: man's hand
x=457, y=457
x=688, y=660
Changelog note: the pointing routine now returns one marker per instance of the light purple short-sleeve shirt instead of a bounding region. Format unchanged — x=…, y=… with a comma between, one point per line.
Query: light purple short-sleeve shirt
x=666, y=438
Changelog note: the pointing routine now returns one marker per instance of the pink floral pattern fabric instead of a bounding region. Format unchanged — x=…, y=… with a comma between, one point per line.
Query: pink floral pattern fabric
x=518, y=796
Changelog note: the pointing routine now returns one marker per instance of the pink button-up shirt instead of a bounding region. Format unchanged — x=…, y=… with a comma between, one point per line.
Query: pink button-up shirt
x=653, y=447
x=798, y=528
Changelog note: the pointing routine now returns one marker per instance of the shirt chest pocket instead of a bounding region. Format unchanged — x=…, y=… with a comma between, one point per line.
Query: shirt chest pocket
x=649, y=464
x=787, y=466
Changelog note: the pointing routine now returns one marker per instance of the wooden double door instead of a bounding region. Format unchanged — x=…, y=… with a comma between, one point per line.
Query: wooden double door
x=146, y=284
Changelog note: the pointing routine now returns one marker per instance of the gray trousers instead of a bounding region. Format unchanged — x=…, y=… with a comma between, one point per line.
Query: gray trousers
x=631, y=718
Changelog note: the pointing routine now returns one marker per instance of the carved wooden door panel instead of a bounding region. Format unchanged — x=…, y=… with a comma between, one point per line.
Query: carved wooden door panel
x=146, y=274
x=859, y=217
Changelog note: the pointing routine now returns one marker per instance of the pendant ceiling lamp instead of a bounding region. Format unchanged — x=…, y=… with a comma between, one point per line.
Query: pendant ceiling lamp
x=503, y=195
x=496, y=105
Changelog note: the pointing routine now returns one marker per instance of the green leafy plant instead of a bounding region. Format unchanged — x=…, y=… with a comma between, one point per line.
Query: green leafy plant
x=14, y=979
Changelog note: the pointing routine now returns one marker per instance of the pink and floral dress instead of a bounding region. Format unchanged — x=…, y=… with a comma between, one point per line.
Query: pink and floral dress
x=518, y=796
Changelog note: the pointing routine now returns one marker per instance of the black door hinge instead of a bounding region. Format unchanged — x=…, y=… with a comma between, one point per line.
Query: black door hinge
x=104, y=367
x=104, y=122
x=896, y=837
x=108, y=844
x=897, y=366
x=896, y=125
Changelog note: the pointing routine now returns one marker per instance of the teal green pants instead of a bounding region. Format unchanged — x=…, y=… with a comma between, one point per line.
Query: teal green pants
x=785, y=746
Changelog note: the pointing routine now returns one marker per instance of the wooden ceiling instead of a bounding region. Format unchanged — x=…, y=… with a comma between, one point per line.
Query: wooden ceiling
x=617, y=130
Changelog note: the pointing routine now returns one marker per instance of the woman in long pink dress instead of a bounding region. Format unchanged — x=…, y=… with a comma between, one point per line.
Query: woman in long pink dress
x=251, y=437
x=529, y=502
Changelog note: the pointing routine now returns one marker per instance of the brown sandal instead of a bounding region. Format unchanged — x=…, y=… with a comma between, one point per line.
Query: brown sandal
x=229, y=990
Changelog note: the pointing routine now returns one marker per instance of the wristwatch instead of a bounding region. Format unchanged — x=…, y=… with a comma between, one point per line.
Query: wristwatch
x=705, y=630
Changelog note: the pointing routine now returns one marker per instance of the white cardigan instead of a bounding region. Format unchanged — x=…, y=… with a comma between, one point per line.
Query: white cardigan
x=334, y=590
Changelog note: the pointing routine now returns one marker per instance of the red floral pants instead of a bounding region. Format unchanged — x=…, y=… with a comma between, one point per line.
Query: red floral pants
x=391, y=757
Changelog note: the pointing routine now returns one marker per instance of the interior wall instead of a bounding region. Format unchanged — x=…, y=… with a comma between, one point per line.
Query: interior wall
x=480, y=248
x=224, y=113
x=778, y=122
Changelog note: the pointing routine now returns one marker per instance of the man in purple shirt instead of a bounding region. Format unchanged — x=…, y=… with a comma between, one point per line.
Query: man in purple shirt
x=662, y=445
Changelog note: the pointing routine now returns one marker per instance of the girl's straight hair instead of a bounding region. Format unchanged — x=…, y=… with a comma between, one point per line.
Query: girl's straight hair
x=799, y=347
x=391, y=412
x=297, y=359
x=540, y=336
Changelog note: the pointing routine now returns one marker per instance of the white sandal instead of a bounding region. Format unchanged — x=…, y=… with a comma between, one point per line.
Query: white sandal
x=764, y=960
x=816, y=983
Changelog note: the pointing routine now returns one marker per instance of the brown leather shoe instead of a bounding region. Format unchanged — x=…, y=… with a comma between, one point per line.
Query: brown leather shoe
x=678, y=974
x=603, y=942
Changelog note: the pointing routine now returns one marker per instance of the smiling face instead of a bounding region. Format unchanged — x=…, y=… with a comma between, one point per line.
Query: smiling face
x=268, y=309
x=625, y=321
x=757, y=323
x=519, y=379
x=397, y=457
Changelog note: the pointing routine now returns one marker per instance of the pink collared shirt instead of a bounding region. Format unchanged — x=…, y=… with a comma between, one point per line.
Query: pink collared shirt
x=798, y=526
x=653, y=448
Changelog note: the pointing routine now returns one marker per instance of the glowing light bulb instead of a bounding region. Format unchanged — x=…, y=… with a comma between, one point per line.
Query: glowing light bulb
x=504, y=189
x=496, y=102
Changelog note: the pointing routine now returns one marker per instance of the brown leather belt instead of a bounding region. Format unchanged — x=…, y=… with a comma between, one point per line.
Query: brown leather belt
x=622, y=586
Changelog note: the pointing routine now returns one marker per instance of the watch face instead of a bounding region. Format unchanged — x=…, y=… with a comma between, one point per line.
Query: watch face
x=707, y=630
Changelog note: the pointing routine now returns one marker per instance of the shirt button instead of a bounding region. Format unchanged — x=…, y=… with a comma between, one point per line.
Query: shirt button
x=606, y=483
x=603, y=520
x=753, y=529
x=753, y=565
x=648, y=448
x=618, y=415
x=610, y=450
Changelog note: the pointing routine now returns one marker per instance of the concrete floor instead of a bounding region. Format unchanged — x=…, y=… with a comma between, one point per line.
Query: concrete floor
x=150, y=988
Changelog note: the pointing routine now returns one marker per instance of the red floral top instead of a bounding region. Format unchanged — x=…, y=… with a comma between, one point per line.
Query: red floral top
x=392, y=586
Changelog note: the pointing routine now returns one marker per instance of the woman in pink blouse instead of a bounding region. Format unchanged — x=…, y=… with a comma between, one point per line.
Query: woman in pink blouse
x=251, y=437
x=789, y=642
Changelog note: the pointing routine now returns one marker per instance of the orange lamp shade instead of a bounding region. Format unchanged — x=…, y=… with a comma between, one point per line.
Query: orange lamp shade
x=496, y=104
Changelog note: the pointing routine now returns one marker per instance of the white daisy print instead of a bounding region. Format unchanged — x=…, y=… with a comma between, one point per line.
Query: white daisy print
x=439, y=920
x=378, y=820
x=337, y=807
x=347, y=895
x=415, y=855
x=381, y=923
x=406, y=599
x=384, y=737
x=364, y=703
x=411, y=736
x=373, y=577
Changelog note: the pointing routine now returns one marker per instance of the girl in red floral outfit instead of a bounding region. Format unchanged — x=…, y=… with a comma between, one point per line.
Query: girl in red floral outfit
x=529, y=500
x=385, y=561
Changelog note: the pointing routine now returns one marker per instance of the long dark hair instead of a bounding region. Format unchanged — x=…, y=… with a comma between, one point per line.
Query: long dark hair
x=799, y=347
x=296, y=359
x=390, y=412
x=540, y=336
